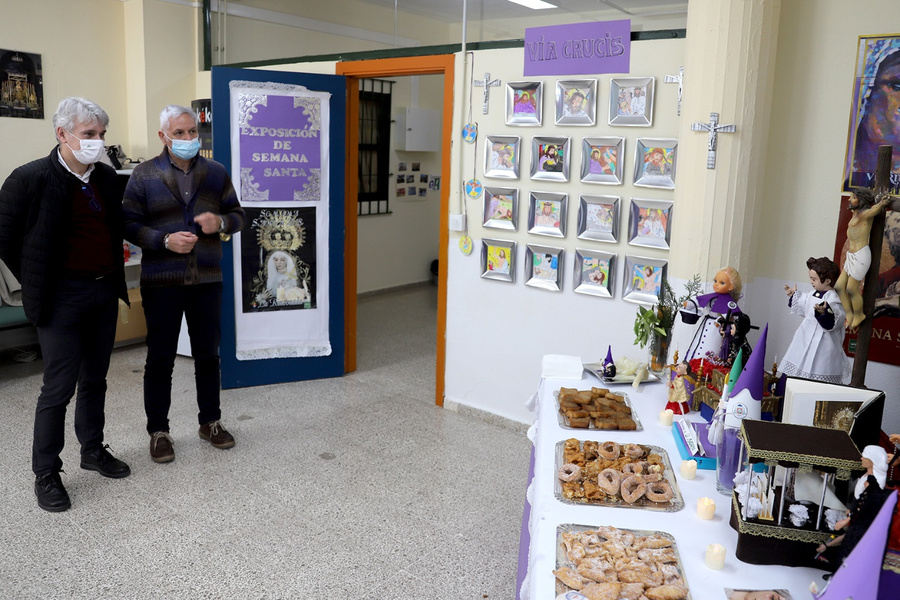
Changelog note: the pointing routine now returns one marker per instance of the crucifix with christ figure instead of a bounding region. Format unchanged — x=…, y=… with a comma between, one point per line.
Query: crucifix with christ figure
x=714, y=129
x=487, y=83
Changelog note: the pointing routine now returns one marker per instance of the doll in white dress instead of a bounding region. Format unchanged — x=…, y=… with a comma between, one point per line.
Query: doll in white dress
x=816, y=352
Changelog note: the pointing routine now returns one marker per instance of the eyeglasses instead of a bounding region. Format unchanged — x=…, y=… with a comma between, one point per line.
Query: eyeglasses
x=93, y=203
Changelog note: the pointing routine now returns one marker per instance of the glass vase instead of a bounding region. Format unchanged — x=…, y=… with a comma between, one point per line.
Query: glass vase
x=659, y=353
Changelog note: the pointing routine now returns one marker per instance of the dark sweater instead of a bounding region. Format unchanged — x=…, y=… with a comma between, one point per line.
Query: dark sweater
x=153, y=209
x=35, y=222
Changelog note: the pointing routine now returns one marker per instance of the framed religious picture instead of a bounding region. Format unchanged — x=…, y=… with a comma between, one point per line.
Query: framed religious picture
x=650, y=223
x=594, y=273
x=523, y=103
x=550, y=158
x=602, y=160
x=576, y=102
x=501, y=156
x=643, y=279
x=655, y=160
x=498, y=260
x=598, y=218
x=544, y=267
x=547, y=214
x=501, y=208
x=631, y=101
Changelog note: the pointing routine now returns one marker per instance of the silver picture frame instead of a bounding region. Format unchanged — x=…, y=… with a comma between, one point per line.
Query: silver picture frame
x=544, y=267
x=550, y=158
x=595, y=273
x=524, y=103
x=498, y=260
x=631, y=101
x=650, y=223
x=501, y=208
x=643, y=278
x=547, y=212
x=655, y=162
x=576, y=102
x=598, y=218
x=603, y=160
x=502, y=156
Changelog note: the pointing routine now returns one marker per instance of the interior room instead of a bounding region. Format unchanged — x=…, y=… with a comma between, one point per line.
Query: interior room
x=467, y=284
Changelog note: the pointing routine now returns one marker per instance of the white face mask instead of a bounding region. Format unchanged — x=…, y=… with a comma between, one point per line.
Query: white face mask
x=91, y=150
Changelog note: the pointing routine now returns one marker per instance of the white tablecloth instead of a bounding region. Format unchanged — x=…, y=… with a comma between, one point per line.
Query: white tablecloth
x=692, y=534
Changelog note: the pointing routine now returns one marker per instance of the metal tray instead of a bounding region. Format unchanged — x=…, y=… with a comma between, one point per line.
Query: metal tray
x=563, y=561
x=564, y=421
x=596, y=369
x=643, y=503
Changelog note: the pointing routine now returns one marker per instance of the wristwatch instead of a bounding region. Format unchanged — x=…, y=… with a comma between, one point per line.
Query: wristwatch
x=166, y=241
x=221, y=224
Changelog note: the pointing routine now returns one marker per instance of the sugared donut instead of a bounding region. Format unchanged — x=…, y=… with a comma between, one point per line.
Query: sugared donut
x=609, y=481
x=633, y=450
x=610, y=450
x=569, y=473
x=659, y=491
x=635, y=468
x=632, y=489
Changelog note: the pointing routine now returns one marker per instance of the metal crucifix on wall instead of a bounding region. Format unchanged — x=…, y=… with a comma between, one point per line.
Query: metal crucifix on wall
x=714, y=129
x=487, y=83
x=679, y=79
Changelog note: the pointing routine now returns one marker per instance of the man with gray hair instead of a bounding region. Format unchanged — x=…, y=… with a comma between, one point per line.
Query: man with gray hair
x=176, y=207
x=61, y=232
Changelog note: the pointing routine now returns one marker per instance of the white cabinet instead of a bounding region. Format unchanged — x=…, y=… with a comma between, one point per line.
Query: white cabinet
x=417, y=130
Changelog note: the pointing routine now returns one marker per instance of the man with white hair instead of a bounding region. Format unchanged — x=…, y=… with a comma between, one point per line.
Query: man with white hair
x=61, y=235
x=176, y=207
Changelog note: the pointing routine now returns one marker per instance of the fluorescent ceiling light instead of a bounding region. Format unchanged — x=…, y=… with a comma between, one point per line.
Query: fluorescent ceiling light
x=535, y=4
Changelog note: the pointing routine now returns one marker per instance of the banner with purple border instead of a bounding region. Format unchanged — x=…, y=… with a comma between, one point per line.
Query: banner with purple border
x=578, y=49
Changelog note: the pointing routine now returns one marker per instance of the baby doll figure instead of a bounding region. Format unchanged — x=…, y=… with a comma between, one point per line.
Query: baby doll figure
x=726, y=292
x=679, y=401
x=816, y=351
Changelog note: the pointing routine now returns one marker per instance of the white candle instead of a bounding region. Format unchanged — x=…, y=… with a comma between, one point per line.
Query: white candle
x=715, y=556
x=688, y=469
x=706, y=508
x=666, y=417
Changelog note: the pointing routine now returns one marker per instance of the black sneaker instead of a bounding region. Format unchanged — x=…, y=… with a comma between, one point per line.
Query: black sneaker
x=51, y=495
x=103, y=462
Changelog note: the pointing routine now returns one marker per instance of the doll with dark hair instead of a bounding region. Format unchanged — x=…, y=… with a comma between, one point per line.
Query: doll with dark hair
x=734, y=330
x=816, y=351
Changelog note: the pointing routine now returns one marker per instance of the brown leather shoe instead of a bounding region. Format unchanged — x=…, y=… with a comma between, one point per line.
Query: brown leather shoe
x=215, y=434
x=161, y=447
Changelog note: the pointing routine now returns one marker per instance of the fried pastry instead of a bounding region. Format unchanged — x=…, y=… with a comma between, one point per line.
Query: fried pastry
x=666, y=592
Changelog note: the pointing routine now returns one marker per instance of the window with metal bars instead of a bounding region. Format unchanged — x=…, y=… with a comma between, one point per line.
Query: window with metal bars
x=374, y=146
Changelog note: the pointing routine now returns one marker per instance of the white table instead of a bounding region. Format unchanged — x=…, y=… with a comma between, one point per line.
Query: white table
x=692, y=534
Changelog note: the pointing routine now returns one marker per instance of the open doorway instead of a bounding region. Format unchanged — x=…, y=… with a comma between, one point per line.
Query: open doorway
x=395, y=67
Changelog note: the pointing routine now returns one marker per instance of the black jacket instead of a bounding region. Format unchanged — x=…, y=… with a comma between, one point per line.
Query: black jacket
x=34, y=214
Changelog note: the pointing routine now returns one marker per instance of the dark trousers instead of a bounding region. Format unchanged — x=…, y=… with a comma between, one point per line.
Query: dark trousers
x=201, y=306
x=76, y=343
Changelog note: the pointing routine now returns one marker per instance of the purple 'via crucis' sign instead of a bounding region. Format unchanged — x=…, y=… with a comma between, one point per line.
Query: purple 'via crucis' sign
x=578, y=49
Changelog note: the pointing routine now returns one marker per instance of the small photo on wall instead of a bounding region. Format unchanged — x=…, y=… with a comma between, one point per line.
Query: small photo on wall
x=501, y=156
x=576, y=102
x=603, y=160
x=650, y=223
x=498, y=259
x=595, y=273
x=501, y=208
x=547, y=214
x=598, y=218
x=523, y=103
x=543, y=267
x=643, y=279
x=631, y=101
x=550, y=158
x=655, y=160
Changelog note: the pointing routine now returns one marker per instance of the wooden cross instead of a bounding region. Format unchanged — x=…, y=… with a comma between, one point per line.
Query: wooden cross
x=870, y=285
x=487, y=84
x=713, y=128
x=679, y=79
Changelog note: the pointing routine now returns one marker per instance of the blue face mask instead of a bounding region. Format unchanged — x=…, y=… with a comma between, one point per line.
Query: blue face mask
x=185, y=149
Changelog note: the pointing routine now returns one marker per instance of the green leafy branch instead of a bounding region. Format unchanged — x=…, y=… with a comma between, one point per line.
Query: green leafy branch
x=660, y=319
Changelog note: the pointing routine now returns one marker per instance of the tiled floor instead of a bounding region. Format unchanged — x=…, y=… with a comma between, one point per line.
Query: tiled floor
x=356, y=487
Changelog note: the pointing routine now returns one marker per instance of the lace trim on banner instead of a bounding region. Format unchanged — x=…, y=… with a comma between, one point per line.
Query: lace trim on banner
x=891, y=562
x=776, y=532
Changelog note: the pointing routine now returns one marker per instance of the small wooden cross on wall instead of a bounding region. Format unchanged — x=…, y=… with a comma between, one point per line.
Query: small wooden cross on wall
x=714, y=129
x=679, y=79
x=487, y=83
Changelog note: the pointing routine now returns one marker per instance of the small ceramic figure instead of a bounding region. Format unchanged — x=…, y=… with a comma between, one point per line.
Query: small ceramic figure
x=679, y=401
x=734, y=338
x=816, y=351
x=726, y=292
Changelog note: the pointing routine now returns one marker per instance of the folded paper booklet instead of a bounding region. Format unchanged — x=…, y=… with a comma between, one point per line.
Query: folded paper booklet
x=691, y=440
x=560, y=366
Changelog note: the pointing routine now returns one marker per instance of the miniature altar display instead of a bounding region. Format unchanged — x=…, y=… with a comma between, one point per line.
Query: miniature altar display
x=707, y=341
x=816, y=351
x=773, y=527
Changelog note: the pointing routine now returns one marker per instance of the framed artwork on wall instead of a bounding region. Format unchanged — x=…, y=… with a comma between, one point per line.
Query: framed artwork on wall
x=595, y=273
x=498, y=260
x=602, y=160
x=631, y=101
x=550, y=158
x=576, y=102
x=524, y=103
x=501, y=156
x=547, y=214
x=501, y=208
x=598, y=218
x=544, y=267
x=643, y=279
x=655, y=160
x=650, y=223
